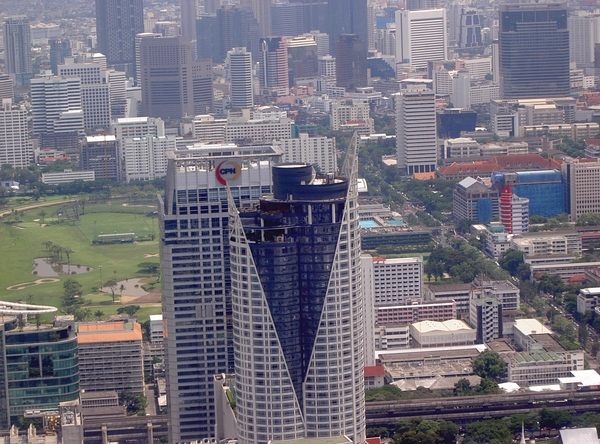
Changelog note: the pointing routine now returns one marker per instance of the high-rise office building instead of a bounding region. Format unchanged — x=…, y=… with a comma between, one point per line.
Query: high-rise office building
x=416, y=135
x=303, y=57
x=173, y=84
x=273, y=67
x=533, y=46
x=421, y=37
x=59, y=49
x=288, y=19
x=207, y=35
x=138, y=40
x=584, y=33
x=17, y=49
x=56, y=105
x=99, y=154
x=189, y=13
x=117, y=23
x=16, y=148
x=237, y=28
x=239, y=63
x=262, y=12
x=351, y=62
x=334, y=17
x=297, y=305
x=7, y=89
x=95, y=94
x=194, y=224
x=582, y=184
x=38, y=365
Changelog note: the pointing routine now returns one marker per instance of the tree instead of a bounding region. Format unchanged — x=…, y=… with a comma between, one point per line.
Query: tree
x=489, y=364
x=485, y=432
x=68, y=252
x=72, y=291
x=98, y=314
x=42, y=215
x=129, y=309
x=463, y=388
x=135, y=404
x=554, y=419
x=82, y=314
x=112, y=284
x=510, y=261
x=588, y=219
x=148, y=267
x=487, y=386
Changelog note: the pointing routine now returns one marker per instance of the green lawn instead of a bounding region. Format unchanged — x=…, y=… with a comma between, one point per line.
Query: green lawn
x=21, y=243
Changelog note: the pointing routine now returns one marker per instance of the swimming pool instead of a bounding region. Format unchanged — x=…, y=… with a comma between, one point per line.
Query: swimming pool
x=368, y=224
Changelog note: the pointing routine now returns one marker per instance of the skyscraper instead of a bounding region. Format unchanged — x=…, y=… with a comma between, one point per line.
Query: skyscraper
x=262, y=12
x=239, y=62
x=138, y=42
x=273, y=67
x=59, y=49
x=194, y=223
x=584, y=32
x=189, y=12
x=335, y=17
x=54, y=103
x=174, y=85
x=421, y=37
x=117, y=23
x=533, y=46
x=351, y=62
x=17, y=49
x=416, y=136
x=237, y=28
x=298, y=309
x=15, y=145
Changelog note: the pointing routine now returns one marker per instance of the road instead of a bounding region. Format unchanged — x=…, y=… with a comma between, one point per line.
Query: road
x=33, y=207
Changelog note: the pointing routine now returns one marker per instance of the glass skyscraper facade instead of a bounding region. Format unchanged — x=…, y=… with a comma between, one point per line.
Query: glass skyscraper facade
x=298, y=310
x=533, y=45
x=196, y=283
x=38, y=369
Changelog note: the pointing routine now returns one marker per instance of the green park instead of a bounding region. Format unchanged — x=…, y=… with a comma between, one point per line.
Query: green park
x=92, y=259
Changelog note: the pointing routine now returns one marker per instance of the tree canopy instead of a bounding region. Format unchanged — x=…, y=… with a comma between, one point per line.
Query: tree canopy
x=489, y=364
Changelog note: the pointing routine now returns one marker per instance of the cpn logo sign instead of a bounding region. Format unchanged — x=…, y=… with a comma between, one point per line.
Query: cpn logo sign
x=228, y=170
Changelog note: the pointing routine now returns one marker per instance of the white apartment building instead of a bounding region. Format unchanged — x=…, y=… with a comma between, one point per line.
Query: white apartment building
x=247, y=132
x=396, y=281
x=142, y=144
x=496, y=240
x=461, y=147
x=416, y=131
x=543, y=368
x=506, y=293
x=16, y=148
x=348, y=110
x=391, y=337
x=326, y=65
x=460, y=293
x=51, y=99
x=483, y=92
x=478, y=67
x=587, y=299
x=504, y=148
x=582, y=178
x=421, y=37
x=239, y=73
x=318, y=151
x=543, y=244
x=584, y=32
x=144, y=158
x=525, y=331
x=206, y=128
x=67, y=176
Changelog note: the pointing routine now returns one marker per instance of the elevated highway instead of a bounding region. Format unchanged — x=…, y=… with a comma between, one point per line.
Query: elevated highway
x=474, y=408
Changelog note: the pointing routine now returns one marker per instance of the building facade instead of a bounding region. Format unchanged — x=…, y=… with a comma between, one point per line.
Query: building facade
x=318, y=151
x=582, y=186
x=533, y=45
x=194, y=221
x=16, y=148
x=117, y=23
x=421, y=37
x=17, y=49
x=351, y=62
x=239, y=62
x=173, y=84
x=416, y=131
x=301, y=250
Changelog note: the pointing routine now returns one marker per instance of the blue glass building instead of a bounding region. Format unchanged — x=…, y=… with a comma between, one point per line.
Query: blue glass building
x=544, y=188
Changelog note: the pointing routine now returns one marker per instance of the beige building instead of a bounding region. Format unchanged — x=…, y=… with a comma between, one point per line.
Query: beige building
x=110, y=356
x=441, y=334
x=582, y=178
